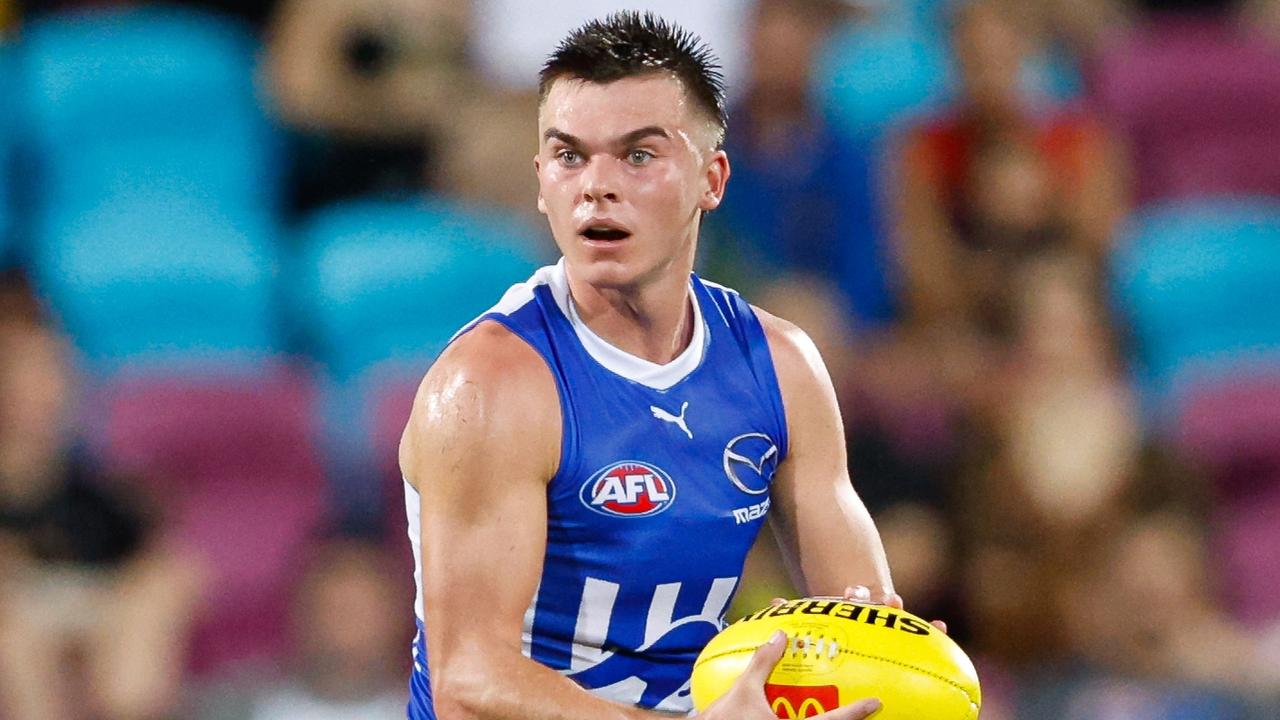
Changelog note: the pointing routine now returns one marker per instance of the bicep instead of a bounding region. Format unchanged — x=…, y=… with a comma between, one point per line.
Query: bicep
x=481, y=478
x=483, y=533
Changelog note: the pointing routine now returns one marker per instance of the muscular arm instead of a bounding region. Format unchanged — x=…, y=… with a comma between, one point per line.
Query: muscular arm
x=481, y=444
x=826, y=534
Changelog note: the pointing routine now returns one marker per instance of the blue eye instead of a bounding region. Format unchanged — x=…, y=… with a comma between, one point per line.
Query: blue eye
x=569, y=157
x=639, y=157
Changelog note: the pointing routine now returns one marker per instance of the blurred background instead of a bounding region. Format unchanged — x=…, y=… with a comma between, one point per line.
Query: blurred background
x=1038, y=242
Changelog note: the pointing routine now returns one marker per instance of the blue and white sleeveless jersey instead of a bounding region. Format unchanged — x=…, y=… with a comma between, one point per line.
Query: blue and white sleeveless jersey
x=663, y=483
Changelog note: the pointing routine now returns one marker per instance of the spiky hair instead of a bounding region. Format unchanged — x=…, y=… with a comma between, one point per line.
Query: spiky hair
x=630, y=44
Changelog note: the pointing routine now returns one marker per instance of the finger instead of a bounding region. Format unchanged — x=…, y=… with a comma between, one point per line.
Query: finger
x=893, y=600
x=858, y=593
x=940, y=625
x=763, y=660
x=856, y=711
x=777, y=601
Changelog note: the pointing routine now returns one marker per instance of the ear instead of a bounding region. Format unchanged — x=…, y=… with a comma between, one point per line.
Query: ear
x=717, y=177
x=537, y=170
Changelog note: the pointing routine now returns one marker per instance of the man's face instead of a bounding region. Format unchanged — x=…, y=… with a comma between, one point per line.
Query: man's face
x=624, y=170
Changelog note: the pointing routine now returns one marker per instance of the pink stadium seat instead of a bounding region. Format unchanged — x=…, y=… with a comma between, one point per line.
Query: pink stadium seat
x=1246, y=553
x=388, y=403
x=1231, y=429
x=233, y=463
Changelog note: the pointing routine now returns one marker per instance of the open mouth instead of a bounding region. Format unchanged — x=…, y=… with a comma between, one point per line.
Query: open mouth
x=605, y=233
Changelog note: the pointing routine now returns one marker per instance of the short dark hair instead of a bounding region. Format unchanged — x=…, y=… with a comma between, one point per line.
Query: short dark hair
x=630, y=44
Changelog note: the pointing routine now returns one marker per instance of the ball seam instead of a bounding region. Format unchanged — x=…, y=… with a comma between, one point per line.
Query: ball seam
x=918, y=669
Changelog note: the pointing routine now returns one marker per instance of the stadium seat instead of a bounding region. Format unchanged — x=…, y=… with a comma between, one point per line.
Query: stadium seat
x=7, y=132
x=383, y=285
x=146, y=100
x=391, y=281
x=161, y=283
x=1231, y=428
x=881, y=74
x=875, y=76
x=231, y=461
x=1198, y=284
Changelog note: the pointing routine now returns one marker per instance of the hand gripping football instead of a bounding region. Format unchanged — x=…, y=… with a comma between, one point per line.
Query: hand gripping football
x=839, y=652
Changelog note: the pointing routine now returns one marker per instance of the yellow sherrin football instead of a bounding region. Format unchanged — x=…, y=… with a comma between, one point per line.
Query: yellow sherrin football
x=839, y=652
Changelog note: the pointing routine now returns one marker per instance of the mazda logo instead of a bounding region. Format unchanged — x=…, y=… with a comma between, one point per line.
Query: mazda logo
x=750, y=461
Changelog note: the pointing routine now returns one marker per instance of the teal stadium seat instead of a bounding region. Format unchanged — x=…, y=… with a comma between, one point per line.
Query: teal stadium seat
x=1199, y=283
x=875, y=75
x=879, y=75
x=145, y=102
x=383, y=285
x=7, y=168
x=149, y=283
x=391, y=281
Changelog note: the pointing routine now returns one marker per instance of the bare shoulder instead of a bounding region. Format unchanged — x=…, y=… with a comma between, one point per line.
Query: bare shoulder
x=489, y=392
x=795, y=357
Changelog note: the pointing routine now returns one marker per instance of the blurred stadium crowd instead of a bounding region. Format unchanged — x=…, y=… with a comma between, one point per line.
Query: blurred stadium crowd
x=1038, y=242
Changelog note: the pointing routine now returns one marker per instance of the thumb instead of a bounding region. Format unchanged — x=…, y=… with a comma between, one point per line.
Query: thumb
x=857, y=711
x=763, y=660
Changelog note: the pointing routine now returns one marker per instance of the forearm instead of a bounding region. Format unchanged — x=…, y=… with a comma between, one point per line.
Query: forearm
x=846, y=552
x=509, y=686
x=862, y=560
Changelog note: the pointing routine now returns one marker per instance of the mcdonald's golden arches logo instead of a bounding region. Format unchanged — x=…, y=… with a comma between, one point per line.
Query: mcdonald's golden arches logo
x=795, y=702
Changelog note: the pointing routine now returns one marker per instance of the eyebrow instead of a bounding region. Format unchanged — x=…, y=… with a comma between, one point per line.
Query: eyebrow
x=627, y=139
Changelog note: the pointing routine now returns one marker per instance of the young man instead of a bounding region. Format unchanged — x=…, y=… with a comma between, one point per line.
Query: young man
x=588, y=463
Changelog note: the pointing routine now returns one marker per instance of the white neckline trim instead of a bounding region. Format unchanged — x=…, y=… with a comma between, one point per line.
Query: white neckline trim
x=620, y=362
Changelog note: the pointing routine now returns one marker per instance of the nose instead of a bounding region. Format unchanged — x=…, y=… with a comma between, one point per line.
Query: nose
x=600, y=180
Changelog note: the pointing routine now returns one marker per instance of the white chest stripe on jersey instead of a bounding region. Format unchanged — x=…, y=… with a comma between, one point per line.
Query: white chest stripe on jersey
x=596, y=612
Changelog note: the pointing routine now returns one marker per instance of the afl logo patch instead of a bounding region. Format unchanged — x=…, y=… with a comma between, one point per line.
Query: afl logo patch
x=629, y=489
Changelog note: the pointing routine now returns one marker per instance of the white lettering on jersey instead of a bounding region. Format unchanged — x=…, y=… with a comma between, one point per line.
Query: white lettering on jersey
x=751, y=512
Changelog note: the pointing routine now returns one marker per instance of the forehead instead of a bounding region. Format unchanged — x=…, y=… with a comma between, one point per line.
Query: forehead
x=604, y=110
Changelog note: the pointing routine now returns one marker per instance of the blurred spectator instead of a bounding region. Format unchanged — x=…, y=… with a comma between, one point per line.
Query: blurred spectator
x=1055, y=456
x=513, y=37
x=1158, y=562
x=8, y=16
x=1083, y=25
x=1068, y=497
x=1265, y=15
x=802, y=200
x=1195, y=92
x=490, y=134
x=1055, y=163
x=368, y=85
x=348, y=640
x=85, y=577
x=1067, y=418
x=1175, y=655
x=254, y=11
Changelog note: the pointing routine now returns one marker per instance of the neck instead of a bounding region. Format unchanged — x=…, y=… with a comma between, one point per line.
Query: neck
x=653, y=321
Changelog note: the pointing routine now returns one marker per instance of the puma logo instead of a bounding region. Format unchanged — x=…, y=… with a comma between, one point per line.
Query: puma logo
x=679, y=422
